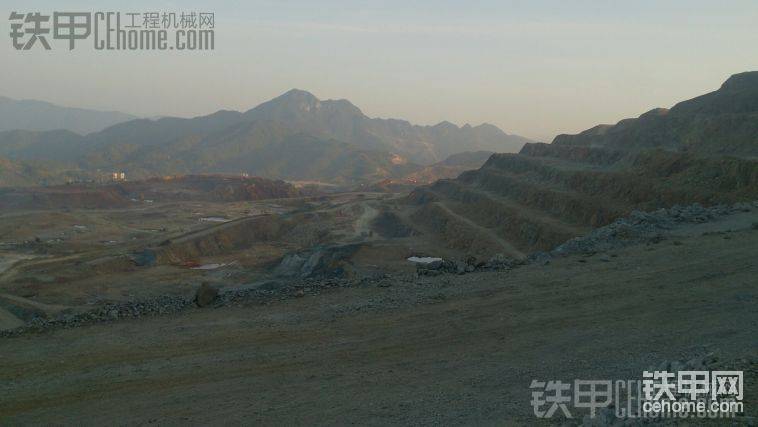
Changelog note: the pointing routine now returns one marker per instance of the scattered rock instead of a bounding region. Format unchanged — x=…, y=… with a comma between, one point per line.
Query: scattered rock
x=539, y=258
x=742, y=207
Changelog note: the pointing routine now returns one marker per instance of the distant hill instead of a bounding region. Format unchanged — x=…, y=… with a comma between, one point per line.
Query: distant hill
x=341, y=120
x=41, y=116
x=723, y=122
x=446, y=169
x=61, y=146
x=213, y=188
x=295, y=136
x=15, y=173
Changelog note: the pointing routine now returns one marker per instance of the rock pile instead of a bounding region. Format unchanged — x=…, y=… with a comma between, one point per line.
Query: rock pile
x=318, y=262
x=205, y=296
x=470, y=264
x=282, y=290
x=108, y=312
x=641, y=227
x=461, y=266
x=638, y=227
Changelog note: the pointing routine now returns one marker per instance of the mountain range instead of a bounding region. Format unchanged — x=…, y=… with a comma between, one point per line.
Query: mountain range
x=294, y=136
x=40, y=116
x=449, y=168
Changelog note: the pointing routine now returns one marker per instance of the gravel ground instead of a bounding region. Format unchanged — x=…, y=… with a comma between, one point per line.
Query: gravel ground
x=452, y=349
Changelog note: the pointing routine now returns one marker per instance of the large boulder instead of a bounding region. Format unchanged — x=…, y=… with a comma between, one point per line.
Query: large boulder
x=144, y=258
x=205, y=295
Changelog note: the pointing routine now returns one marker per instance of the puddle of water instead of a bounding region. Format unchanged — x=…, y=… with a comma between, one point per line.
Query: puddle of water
x=214, y=219
x=424, y=260
x=209, y=266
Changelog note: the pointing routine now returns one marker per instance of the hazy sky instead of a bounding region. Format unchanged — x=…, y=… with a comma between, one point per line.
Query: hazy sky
x=533, y=67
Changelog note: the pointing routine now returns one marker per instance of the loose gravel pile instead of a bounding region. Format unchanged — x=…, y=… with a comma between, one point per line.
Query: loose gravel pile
x=642, y=227
x=260, y=293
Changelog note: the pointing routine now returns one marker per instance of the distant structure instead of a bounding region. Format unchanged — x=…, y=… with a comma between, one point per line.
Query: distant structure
x=118, y=176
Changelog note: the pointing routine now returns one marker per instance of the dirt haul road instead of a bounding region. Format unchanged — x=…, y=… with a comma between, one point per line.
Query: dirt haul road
x=443, y=350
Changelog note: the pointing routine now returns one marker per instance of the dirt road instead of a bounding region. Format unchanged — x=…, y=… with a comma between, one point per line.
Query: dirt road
x=446, y=350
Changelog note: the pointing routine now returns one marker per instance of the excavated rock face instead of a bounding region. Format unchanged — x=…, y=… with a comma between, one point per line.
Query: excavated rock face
x=722, y=122
x=549, y=194
x=704, y=150
x=318, y=262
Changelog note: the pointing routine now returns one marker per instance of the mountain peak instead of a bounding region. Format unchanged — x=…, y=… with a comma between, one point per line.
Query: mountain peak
x=488, y=126
x=489, y=129
x=298, y=94
x=446, y=125
x=291, y=103
x=298, y=103
x=737, y=95
x=742, y=81
x=344, y=106
x=297, y=98
x=655, y=112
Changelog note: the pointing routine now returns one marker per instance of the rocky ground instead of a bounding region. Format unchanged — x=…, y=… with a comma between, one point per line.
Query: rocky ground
x=638, y=228
x=457, y=346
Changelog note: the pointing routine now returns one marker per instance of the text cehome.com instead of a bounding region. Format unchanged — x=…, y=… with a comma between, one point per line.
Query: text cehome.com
x=114, y=30
x=110, y=35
